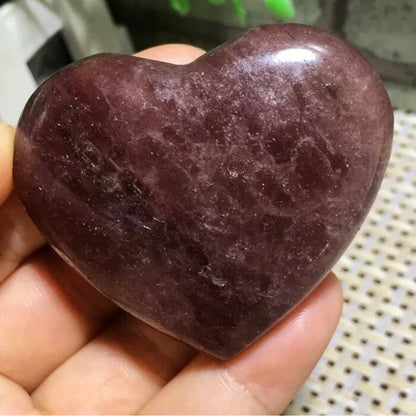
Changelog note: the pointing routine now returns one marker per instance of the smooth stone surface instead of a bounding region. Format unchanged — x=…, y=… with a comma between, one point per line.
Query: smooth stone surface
x=207, y=199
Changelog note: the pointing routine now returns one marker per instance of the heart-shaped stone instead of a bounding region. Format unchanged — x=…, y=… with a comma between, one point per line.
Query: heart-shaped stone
x=207, y=199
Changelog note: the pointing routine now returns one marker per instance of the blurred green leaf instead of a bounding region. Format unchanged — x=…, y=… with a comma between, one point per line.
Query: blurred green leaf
x=240, y=11
x=217, y=1
x=181, y=6
x=284, y=9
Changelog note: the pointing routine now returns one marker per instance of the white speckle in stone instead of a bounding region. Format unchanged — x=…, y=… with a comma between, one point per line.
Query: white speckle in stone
x=233, y=173
x=218, y=282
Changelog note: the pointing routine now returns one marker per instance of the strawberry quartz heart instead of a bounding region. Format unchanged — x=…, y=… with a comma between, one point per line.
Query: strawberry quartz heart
x=207, y=199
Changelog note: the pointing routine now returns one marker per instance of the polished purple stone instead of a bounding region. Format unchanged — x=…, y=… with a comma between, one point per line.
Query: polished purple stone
x=207, y=199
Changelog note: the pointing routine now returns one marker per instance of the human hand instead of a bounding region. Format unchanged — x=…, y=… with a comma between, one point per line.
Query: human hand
x=65, y=348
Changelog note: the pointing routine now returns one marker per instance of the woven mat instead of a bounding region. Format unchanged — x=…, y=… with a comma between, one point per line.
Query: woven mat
x=370, y=364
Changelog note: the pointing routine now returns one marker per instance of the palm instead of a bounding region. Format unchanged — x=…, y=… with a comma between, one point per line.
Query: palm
x=65, y=348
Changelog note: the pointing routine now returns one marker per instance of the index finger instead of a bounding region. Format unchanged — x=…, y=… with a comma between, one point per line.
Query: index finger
x=6, y=160
x=173, y=53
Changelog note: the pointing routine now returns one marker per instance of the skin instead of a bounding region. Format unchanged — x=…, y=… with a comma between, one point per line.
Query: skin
x=64, y=348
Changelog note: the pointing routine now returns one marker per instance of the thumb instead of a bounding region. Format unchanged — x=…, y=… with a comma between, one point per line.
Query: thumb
x=6, y=160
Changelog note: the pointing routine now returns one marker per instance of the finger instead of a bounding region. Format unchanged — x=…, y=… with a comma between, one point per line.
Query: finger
x=47, y=313
x=6, y=160
x=174, y=53
x=265, y=377
x=14, y=400
x=119, y=371
x=18, y=235
x=125, y=366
